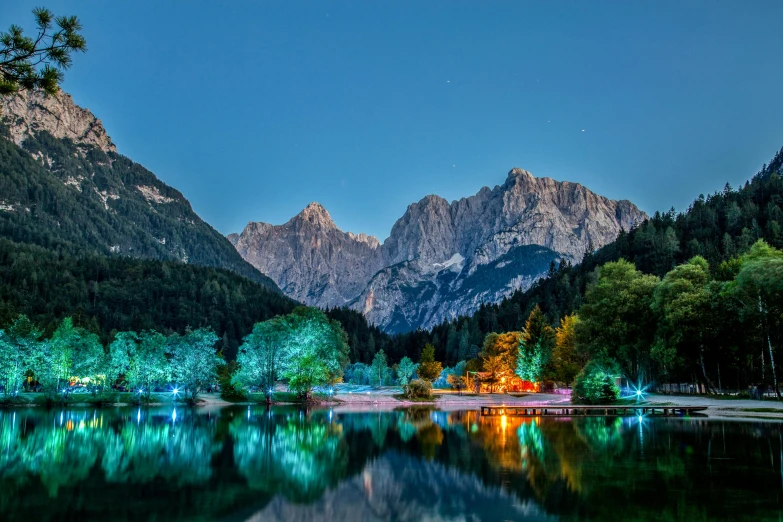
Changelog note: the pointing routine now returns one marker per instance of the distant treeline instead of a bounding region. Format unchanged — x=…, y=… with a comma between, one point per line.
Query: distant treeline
x=106, y=295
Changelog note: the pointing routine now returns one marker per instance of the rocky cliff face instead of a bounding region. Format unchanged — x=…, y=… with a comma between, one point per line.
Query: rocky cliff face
x=310, y=258
x=28, y=113
x=442, y=259
x=65, y=186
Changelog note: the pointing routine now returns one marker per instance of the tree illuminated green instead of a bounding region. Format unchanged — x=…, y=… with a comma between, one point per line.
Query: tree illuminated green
x=260, y=355
x=74, y=352
x=315, y=350
x=378, y=369
x=14, y=360
x=406, y=370
x=194, y=360
x=535, y=347
x=141, y=358
x=595, y=384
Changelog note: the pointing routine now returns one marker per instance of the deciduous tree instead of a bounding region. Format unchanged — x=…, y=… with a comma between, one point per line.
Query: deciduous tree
x=616, y=321
x=194, y=360
x=315, y=350
x=406, y=370
x=684, y=303
x=260, y=355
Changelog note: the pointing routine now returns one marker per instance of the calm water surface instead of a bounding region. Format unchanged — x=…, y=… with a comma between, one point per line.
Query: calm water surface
x=240, y=464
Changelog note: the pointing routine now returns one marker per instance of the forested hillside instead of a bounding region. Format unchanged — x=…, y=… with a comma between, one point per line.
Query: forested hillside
x=77, y=198
x=107, y=294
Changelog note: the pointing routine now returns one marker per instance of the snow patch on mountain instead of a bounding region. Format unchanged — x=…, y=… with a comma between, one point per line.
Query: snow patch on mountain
x=455, y=262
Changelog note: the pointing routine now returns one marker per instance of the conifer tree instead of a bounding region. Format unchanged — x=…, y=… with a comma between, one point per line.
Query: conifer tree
x=38, y=62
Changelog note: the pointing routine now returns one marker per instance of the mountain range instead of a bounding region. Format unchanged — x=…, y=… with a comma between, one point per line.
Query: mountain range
x=66, y=188
x=442, y=259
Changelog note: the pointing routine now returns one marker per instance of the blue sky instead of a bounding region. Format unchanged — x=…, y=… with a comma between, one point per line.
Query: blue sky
x=254, y=109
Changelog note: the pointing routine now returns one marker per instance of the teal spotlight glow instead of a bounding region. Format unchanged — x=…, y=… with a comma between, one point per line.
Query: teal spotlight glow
x=638, y=392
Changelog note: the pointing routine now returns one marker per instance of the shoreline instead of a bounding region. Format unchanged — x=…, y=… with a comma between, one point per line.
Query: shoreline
x=384, y=400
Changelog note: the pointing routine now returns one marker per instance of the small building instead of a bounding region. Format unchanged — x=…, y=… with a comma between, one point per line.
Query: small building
x=482, y=383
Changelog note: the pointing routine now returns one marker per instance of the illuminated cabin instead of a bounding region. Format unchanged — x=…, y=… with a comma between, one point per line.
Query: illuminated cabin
x=482, y=383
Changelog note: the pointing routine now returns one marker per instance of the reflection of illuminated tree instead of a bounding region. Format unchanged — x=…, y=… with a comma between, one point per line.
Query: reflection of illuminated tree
x=59, y=456
x=298, y=458
x=405, y=429
x=495, y=436
x=418, y=422
x=531, y=442
x=65, y=451
x=141, y=453
x=430, y=437
x=378, y=424
x=601, y=434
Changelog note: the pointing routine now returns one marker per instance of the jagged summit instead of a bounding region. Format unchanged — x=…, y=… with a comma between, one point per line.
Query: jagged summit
x=315, y=207
x=314, y=261
x=517, y=172
x=315, y=214
x=441, y=259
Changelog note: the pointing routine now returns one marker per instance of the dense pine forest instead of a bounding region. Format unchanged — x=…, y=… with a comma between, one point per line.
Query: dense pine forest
x=109, y=294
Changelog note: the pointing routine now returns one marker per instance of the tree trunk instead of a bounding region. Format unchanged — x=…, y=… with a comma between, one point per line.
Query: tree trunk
x=765, y=330
x=772, y=366
x=707, y=381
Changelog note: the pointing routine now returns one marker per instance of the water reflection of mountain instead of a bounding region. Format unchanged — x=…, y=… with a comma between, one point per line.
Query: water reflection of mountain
x=405, y=488
x=415, y=464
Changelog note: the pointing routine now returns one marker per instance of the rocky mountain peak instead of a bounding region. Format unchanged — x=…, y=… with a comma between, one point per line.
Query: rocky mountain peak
x=516, y=172
x=315, y=214
x=26, y=113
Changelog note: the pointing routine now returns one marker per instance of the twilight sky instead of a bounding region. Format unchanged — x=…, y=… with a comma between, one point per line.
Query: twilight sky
x=254, y=109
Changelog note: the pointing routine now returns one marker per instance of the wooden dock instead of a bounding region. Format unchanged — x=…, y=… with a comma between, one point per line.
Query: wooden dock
x=589, y=411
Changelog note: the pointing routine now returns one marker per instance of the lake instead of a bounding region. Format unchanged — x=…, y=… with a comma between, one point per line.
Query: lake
x=250, y=464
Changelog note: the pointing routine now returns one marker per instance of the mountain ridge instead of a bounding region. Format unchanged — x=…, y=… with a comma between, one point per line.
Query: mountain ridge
x=435, y=248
